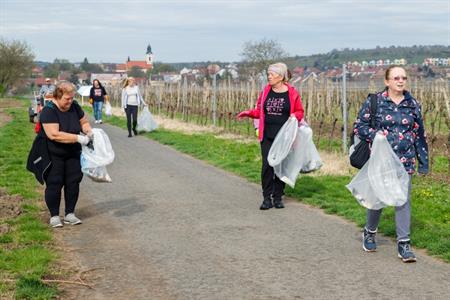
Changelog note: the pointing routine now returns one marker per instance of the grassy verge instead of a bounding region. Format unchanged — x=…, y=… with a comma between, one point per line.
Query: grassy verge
x=430, y=200
x=24, y=251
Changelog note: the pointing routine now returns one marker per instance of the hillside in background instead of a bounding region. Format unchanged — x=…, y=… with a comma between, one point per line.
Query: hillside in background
x=413, y=55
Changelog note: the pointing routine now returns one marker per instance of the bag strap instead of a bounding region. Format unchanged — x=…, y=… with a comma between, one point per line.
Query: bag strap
x=373, y=109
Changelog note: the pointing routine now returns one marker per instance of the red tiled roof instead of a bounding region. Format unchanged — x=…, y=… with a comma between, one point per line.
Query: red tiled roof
x=138, y=63
x=37, y=69
x=121, y=67
x=39, y=81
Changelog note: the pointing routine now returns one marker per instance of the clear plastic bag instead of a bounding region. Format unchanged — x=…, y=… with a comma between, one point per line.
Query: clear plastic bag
x=361, y=189
x=310, y=156
x=145, y=121
x=108, y=109
x=382, y=181
x=282, y=144
x=387, y=175
x=95, y=157
x=303, y=157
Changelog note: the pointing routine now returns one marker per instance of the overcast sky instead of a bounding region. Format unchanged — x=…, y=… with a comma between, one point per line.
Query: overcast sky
x=186, y=31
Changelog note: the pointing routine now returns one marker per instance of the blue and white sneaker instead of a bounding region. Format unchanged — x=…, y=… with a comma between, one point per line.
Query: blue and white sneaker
x=369, y=243
x=405, y=253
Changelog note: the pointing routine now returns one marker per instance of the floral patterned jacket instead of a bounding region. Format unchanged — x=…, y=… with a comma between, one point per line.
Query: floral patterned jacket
x=403, y=126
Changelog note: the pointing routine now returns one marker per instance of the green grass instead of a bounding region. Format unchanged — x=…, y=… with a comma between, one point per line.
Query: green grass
x=430, y=199
x=25, y=254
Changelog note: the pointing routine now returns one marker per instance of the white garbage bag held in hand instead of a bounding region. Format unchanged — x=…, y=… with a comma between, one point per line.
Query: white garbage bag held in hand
x=145, y=121
x=310, y=156
x=387, y=175
x=108, y=109
x=282, y=144
x=303, y=157
x=96, y=156
x=383, y=180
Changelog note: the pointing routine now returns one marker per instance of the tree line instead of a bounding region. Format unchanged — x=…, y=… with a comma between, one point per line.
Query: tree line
x=16, y=60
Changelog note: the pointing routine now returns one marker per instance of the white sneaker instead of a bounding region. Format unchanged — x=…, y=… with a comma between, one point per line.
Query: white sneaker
x=55, y=222
x=100, y=121
x=71, y=219
x=96, y=122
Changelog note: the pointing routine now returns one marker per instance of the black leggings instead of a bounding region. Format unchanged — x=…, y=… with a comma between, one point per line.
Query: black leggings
x=271, y=184
x=131, y=111
x=64, y=172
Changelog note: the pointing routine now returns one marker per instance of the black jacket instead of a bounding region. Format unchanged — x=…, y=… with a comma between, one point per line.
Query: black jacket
x=39, y=158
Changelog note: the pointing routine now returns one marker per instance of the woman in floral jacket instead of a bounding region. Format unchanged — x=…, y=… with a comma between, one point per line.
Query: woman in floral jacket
x=399, y=117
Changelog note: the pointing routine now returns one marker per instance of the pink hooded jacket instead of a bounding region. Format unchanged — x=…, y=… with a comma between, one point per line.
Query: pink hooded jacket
x=258, y=112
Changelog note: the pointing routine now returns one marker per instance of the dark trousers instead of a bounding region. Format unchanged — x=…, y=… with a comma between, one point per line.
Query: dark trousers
x=64, y=172
x=271, y=184
x=131, y=112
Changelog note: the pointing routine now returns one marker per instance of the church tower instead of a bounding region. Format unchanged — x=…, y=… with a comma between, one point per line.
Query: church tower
x=149, y=55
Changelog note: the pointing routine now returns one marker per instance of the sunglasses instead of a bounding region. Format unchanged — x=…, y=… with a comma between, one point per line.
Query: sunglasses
x=397, y=78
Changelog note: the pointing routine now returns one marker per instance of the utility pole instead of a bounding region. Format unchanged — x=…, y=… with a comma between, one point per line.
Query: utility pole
x=344, y=109
x=214, y=100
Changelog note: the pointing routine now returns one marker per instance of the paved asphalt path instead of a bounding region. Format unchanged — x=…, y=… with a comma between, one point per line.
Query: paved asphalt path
x=173, y=227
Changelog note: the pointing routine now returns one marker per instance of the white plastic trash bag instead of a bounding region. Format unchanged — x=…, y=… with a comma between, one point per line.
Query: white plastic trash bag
x=108, y=109
x=145, y=121
x=303, y=157
x=362, y=190
x=310, y=156
x=383, y=180
x=387, y=175
x=95, y=157
x=282, y=144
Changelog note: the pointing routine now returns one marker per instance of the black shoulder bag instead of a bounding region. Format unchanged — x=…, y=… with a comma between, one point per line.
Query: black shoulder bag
x=361, y=154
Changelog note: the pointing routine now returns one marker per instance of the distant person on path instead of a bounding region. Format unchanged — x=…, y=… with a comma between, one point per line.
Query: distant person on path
x=131, y=99
x=399, y=117
x=99, y=96
x=46, y=91
x=276, y=103
x=62, y=121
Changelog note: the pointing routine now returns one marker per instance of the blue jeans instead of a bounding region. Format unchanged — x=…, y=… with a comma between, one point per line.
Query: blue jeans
x=98, y=105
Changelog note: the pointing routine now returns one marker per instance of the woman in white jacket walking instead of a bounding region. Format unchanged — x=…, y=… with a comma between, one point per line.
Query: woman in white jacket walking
x=131, y=100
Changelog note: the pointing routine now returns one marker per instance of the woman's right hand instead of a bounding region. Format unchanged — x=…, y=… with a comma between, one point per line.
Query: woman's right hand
x=243, y=114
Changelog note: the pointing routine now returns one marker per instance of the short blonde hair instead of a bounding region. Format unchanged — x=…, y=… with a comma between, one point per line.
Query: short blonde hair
x=63, y=88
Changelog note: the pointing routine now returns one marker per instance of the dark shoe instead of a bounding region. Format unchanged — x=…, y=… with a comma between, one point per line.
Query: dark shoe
x=129, y=135
x=278, y=204
x=267, y=204
x=135, y=132
x=369, y=243
x=405, y=252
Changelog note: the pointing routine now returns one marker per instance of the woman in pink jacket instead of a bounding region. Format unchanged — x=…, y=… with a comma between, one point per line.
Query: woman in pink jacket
x=276, y=103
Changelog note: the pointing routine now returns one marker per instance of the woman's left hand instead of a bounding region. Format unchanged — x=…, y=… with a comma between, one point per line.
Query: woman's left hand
x=90, y=135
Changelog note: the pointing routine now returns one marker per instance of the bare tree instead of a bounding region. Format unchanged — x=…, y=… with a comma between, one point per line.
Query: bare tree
x=16, y=62
x=258, y=55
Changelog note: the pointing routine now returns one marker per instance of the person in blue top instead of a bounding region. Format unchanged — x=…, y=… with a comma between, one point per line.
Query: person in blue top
x=399, y=117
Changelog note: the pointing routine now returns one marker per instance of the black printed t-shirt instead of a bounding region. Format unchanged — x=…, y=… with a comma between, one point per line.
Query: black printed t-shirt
x=277, y=109
x=69, y=121
x=98, y=95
